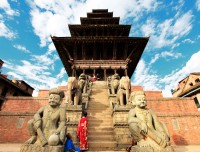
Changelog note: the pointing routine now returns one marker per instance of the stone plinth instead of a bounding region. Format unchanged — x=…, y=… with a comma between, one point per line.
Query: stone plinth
x=121, y=127
x=73, y=115
x=113, y=100
x=85, y=100
x=38, y=148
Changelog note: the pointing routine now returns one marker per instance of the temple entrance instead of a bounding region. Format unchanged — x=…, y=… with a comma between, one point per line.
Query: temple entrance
x=89, y=72
x=100, y=74
x=121, y=72
x=109, y=72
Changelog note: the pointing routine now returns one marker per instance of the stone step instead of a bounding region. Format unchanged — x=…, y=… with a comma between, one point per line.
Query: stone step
x=106, y=151
x=98, y=106
x=92, y=119
x=102, y=137
x=100, y=128
x=96, y=117
x=102, y=145
x=99, y=132
x=107, y=109
x=101, y=115
x=102, y=123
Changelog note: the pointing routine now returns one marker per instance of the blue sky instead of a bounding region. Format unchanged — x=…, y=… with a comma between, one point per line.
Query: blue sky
x=173, y=50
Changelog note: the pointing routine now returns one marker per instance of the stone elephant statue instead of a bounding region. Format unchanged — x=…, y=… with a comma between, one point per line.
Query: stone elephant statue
x=114, y=83
x=74, y=93
x=124, y=90
x=83, y=83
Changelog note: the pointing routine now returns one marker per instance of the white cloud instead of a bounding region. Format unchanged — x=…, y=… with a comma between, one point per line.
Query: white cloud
x=150, y=81
x=61, y=74
x=46, y=59
x=144, y=78
x=5, y=31
x=198, y=5
x=178, y=28
x=51, y=17
x=6, y=7
x=37, y=75
x=166, y=55
x=172, y=79
x=21, y=48
x=188, y=41
x=169, y=31
x=175, y=45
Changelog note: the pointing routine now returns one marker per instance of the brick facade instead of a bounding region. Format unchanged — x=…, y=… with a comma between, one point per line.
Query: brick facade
x=180, y=115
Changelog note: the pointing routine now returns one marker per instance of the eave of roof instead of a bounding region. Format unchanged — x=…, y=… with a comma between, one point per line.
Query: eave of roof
x=13, y=84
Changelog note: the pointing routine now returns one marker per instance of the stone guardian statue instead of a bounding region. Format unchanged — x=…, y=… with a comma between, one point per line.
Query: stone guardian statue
x=150, y=134
x=47, y=128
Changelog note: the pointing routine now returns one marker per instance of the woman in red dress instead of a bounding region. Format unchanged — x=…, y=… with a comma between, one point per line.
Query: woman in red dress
x=82, y=131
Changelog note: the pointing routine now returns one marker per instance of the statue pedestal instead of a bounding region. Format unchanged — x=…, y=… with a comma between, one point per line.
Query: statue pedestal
x=85, y=100
x=121, y=127
x=73, y=115
x=112, y=100
x=39, y=148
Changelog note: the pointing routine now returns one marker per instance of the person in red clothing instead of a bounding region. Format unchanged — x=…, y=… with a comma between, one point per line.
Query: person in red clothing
x=82, y=131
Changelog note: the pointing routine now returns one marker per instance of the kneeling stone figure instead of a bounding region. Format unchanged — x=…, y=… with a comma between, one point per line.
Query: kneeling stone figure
x=48, y=124
x=150, y=134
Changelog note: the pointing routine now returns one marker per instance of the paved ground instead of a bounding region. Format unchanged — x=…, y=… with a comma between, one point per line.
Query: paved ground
x=16, y=148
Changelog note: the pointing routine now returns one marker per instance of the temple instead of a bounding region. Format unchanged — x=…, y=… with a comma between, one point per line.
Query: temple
x=100, y=45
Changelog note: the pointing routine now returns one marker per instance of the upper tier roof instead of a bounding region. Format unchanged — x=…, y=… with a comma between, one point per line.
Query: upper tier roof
x=99, y=30
x=113, y=20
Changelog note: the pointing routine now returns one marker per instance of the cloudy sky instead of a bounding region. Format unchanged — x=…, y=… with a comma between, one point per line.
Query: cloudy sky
x=173, y=50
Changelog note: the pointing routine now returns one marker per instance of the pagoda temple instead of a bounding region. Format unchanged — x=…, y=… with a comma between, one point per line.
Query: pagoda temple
x=100, y=45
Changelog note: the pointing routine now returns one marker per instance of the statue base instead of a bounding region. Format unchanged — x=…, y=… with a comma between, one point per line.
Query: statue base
x=39, y=148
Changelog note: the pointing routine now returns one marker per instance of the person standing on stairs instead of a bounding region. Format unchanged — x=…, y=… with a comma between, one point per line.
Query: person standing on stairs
x=82, y=131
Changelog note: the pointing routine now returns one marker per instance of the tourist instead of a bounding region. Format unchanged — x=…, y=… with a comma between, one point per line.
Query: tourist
x=69, y=145
x=94, y=78
x=82, y=131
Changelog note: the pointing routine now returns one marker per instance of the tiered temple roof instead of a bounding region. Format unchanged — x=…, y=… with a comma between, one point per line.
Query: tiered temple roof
x=100, y=45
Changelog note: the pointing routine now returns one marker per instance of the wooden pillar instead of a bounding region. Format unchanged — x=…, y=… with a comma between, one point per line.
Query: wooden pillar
x=126, y=50
x=75, y=51
x=105, y=74
x=84, y=71
x=83, y=50
x=114, y=50
x=94, y=72
x=95, y=50
x=73, y=72
x=125, y=72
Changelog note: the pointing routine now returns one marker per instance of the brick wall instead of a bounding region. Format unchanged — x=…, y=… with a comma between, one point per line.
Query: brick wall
x=13, y=127
x=45, y=92
x=154, y=94
x=23, y=104
x=180, y=115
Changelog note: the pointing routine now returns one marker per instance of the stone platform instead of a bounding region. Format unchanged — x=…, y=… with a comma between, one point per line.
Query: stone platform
x=7, y=147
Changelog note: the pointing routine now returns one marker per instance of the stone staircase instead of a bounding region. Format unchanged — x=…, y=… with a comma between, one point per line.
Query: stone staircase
x=100, y=122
